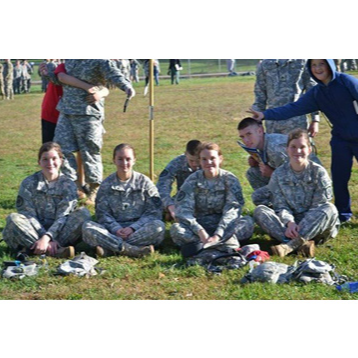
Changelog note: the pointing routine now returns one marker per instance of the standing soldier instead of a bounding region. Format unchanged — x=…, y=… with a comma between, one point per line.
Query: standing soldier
x=2, y=90
x=80, y=127
x=134, y=70
x=279, y=82
x=8, y=74
x=17, y=77
x=44, y=80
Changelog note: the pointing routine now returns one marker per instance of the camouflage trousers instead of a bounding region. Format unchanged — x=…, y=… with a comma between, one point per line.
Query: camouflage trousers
x=21, y=231
x=287, y=125
x=9, y=90
x=2, y=90
x=320, y=223
x=95, y=234
x=240, y=229
x=84, y=134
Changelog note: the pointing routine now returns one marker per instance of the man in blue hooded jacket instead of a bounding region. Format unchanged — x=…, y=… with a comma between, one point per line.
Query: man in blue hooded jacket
x=336, y=95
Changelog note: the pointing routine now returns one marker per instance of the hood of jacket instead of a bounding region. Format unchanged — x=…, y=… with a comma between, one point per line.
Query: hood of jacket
x=332, y=66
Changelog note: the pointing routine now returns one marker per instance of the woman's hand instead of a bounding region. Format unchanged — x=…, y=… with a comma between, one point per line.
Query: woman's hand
x=40, y=246
x=124, y=233
x=203, y=235
x=292, y=230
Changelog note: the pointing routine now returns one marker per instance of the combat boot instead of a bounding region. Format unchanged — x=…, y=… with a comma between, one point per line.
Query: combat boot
x=136, y=251
x=102, y=252
x=58, y=251
x=284, y=249
x=307, y=249
x=91, y=199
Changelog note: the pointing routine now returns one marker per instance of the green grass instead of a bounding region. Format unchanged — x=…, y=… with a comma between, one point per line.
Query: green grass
x=205, y=109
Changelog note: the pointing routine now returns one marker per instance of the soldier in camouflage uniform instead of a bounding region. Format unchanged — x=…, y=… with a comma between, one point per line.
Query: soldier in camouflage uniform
x=279, y=82
x=8, y=73
x=208, y=207
x=2, y=90
x=301, y=194
x=46, y=221
x=79, y=127
x=128, y=210
x=272, y=149
x=17, y=77
x=177, y=170
x=134, y=64
x=26, y=76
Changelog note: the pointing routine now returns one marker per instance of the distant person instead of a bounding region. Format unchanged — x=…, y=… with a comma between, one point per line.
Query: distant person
x=177, y=170
x=134, y=73
x=279, y=82
x=174, y=71
x=8, y=74
x=2, y=89
x=128, y=210
x=209, y=206
x=17, y=77
x=301, y=211
x=231, y=67
x=336, y=95
x=26, y=77
x=46, y=222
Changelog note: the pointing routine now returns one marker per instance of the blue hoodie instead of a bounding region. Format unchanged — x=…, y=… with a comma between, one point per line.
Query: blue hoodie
x=335, y=100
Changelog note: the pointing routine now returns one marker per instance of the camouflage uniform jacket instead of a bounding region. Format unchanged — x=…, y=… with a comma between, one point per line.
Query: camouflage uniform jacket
x=8, y=71
x=294, y=194
x=280, y=83
x=198, y=199
x=134, y=203
x=178, y=169
x=274, y=150
x=48, y=204
x=96, y=72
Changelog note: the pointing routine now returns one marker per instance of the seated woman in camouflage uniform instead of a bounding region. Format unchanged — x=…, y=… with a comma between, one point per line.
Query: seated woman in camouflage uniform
x=208, y=206
x=128, y=210
x=46, y=221
x=301, y=194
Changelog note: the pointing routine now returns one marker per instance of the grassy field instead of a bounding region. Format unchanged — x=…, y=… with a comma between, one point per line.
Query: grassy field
x=205, y=109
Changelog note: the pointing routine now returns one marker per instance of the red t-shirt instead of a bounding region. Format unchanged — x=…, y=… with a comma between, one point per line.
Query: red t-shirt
x=52, y=96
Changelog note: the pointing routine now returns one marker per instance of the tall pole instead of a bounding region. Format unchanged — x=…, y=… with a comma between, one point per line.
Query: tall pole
x=151, y=119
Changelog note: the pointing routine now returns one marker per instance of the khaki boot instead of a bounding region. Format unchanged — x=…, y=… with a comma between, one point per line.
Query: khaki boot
x=91, y=199
x=55, y=250
x=284, y=249
x=136, y=251
x=102, y=252
x=307, y=249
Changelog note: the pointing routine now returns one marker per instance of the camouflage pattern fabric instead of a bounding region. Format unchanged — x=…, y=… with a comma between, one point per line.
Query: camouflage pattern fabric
x=85, y=134
x=8, y=73
x=215, y=207
x=303, y=199
x=80, y=124
x=45, y=209
x=177, y=170
x=279, y=82
x=136, y=204
x=275, y=152
x=2, y=89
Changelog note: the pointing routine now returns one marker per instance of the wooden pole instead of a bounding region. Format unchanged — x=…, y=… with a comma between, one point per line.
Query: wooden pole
x=151, y=119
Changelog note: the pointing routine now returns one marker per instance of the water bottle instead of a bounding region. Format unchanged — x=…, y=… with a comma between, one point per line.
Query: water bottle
x=350, y=287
